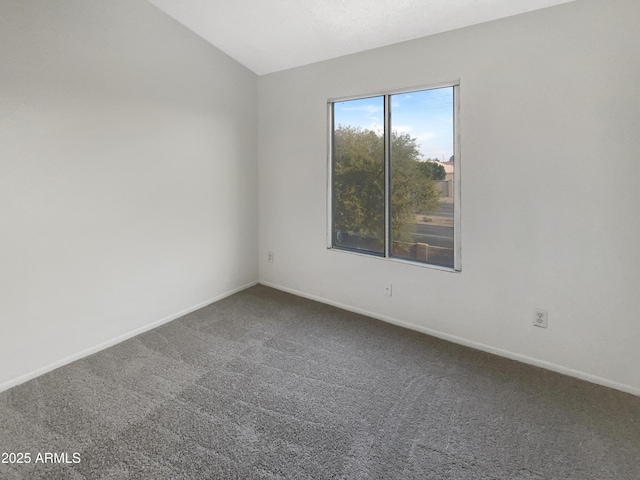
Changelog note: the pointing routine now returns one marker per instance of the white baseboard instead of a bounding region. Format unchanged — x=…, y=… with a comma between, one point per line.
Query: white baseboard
x=468, y=343
x=121, y=338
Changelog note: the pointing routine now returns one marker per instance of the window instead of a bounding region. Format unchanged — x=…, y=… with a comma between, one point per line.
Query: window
x=394, y=184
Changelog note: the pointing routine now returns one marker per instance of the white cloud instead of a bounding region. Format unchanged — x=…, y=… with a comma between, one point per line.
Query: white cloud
x=371, y=109
x=403, y=128
x=425, y=137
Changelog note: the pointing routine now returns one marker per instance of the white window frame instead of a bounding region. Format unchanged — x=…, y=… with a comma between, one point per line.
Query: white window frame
x=457, y=217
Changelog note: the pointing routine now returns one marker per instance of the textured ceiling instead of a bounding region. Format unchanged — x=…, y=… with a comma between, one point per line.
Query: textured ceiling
x=271, y=35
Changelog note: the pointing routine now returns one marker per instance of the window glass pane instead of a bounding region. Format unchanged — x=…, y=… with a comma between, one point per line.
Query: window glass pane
x=358, y=175
x=422, y=172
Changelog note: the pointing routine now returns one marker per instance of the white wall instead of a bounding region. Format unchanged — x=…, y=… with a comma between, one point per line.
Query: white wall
x=550, y=109
x=128, y=176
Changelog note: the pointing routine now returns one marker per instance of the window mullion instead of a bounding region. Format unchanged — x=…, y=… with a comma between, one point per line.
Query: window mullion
x=387, y=176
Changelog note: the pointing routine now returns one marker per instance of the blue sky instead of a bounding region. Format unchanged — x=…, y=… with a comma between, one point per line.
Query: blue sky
x=426, y=115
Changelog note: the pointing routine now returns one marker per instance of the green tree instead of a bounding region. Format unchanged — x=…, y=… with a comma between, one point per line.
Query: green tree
x=432, y=170
x=358, y=184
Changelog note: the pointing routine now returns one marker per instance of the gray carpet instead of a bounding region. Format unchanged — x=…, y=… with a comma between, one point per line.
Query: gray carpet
x=264, y=384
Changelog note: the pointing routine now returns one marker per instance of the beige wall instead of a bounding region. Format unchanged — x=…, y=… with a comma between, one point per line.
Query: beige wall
x=128, y=176
x=550, y=106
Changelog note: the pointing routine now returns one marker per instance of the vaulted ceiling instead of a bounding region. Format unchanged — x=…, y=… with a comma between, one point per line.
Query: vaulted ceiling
x=271, y=35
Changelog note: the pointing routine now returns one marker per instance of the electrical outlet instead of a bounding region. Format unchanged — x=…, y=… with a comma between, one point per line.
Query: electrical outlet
x=541, y=318
x=270, y=257
x=388, y=289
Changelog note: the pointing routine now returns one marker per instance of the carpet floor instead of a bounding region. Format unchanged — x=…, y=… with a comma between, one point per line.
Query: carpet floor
x=267, y=385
